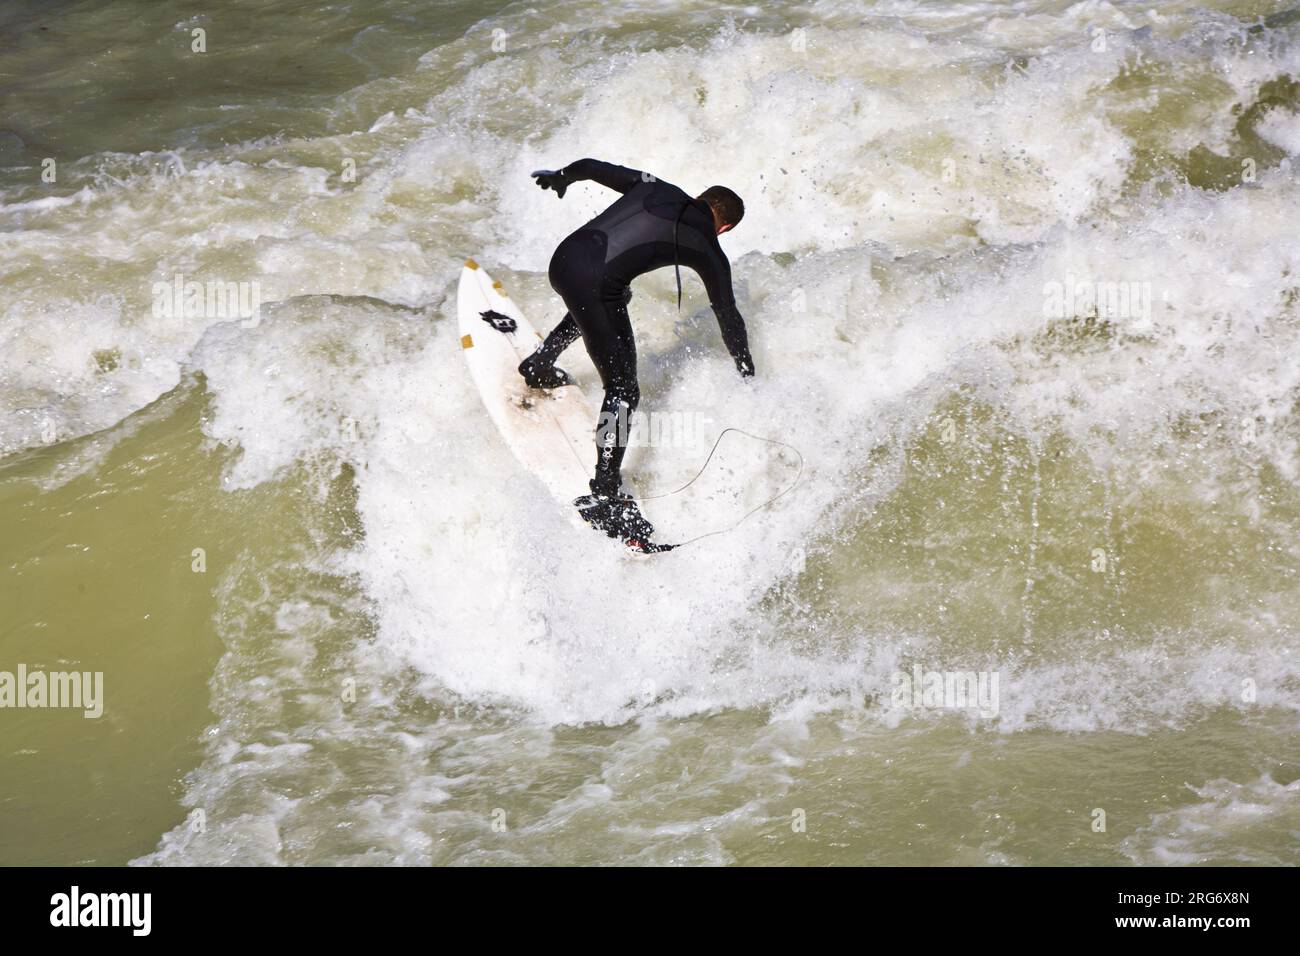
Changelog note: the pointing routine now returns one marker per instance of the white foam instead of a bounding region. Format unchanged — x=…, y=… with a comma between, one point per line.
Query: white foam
x=1281, y=127
x=1226, y=818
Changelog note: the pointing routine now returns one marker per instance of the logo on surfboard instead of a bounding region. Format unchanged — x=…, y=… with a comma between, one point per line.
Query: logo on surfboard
x=502, y=323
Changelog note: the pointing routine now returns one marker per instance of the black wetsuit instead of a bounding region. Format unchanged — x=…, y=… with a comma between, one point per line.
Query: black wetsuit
x=654, y=224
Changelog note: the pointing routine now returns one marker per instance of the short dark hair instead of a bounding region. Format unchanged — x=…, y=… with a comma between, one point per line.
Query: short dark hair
x=728, y=205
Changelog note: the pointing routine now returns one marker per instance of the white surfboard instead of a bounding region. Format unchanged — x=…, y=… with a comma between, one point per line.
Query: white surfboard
x=551, y=433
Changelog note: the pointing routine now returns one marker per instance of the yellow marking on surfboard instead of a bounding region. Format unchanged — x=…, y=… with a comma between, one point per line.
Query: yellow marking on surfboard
x=467, y=341
x=471, y=264
x=497, y=285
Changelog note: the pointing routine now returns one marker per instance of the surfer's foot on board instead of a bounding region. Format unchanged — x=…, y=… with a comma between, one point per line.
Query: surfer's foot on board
x=617, y=516
x=538, y=375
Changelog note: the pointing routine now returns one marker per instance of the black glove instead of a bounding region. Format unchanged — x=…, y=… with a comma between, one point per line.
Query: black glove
x=551, y=179
x=745, y=364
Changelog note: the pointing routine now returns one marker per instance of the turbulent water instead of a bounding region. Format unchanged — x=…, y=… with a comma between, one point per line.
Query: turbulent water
x=1022, y=281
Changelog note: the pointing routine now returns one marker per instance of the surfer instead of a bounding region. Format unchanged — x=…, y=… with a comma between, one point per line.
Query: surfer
x=654, y=224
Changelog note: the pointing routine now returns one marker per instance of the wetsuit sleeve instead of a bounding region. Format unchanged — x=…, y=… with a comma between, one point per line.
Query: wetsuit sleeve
x=618, y=178
x=716, y=275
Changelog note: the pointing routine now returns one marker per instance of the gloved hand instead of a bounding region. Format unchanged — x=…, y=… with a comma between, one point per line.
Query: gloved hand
x=745, y=364
x=551, y=179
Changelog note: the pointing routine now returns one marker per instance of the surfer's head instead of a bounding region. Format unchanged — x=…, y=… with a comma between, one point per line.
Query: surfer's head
x=726, y=205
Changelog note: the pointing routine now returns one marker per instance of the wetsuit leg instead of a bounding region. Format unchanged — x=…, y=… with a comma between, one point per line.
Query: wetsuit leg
x=577, y=274
x=613, y=352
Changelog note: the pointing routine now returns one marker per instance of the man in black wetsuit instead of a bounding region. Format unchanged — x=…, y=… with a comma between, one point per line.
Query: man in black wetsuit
x=653, y=224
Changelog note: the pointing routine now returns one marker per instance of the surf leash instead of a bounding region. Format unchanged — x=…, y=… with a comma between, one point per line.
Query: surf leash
x=651, y=547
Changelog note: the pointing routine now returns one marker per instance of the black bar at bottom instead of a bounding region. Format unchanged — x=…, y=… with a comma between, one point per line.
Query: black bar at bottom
x=333, y=906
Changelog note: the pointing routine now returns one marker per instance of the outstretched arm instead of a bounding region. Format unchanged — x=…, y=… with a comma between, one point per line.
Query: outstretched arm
x=717, y=280
x=733, y=334
x=618, y=178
